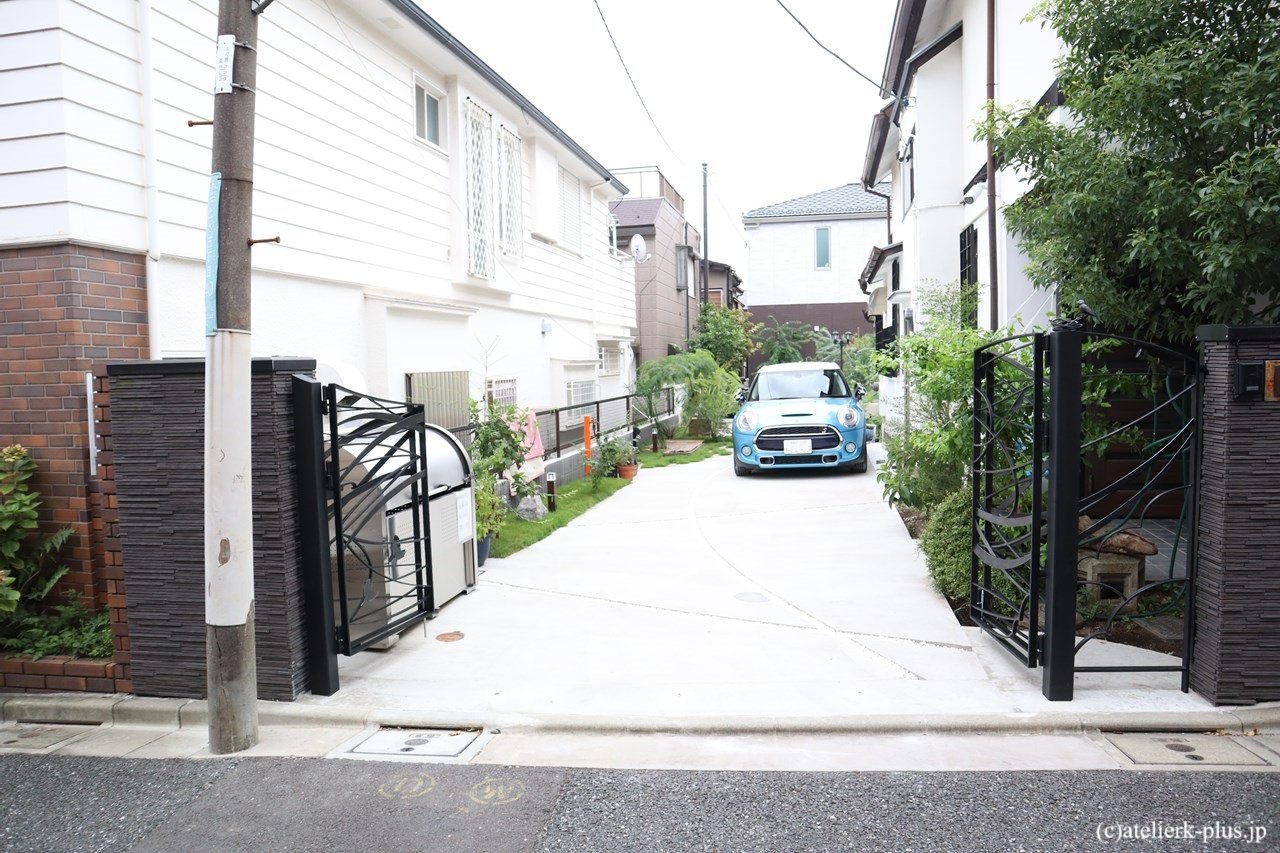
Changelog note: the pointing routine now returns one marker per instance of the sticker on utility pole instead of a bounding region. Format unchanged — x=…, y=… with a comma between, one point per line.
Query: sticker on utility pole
x=223, y=64
x=211, y=255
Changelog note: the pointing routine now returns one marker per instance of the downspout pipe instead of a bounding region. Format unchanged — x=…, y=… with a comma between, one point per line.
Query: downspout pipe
x=888, y=211
x=146, y=71
x=993, y=252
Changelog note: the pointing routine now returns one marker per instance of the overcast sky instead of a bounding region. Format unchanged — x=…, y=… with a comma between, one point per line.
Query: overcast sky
x=734, y=83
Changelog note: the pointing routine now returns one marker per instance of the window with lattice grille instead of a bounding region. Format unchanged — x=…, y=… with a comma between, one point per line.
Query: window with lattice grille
x=610, y=359
x=479, y=141
x=570, y=211
x=501, y=391
x=577, y=393
x=510, y=182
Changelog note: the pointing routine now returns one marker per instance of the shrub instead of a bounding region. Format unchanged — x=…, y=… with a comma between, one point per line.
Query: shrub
x=28, y=563
x=726, y=333
x=947, y=544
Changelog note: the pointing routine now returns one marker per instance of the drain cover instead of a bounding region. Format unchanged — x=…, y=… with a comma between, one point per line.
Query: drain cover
x=1184, y=749
x=434, y=743
x=36, y=736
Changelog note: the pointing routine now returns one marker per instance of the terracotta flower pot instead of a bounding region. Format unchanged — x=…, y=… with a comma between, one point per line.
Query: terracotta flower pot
x=627, y=472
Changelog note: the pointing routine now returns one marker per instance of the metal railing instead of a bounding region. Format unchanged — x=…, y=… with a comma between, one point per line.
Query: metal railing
x=561, y=428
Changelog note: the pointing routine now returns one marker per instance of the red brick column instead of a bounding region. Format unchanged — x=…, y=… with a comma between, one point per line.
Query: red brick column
x=65, y=310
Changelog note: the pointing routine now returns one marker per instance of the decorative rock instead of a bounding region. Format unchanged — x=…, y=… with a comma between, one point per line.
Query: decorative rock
x=531, y=508
x=1126, y=542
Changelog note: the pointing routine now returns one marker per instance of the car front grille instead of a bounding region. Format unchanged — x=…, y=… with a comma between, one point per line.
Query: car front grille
x=823, y=437
x=810, y=459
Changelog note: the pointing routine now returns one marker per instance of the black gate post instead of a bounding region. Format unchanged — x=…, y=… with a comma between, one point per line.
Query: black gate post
x=322, y=652
x=1064, y=513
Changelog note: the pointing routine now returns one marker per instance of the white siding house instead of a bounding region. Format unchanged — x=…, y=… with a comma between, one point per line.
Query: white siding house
x=923, y=140
x=430, y=218
x=806, y=254
x=935, y=75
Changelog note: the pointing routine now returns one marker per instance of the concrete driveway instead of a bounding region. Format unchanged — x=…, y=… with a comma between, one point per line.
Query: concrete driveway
x=695, y=595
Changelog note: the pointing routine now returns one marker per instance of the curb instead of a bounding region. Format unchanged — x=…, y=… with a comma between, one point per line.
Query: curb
x=191, y=713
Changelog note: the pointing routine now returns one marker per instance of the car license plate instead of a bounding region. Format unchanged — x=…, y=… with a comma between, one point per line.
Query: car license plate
x=797, y=445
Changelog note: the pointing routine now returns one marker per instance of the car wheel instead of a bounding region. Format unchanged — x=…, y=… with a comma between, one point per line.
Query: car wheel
x=859, y=465
x=740, y=469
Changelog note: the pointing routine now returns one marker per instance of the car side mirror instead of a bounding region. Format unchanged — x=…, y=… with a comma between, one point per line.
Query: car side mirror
x=741, y=395
x=858, y=390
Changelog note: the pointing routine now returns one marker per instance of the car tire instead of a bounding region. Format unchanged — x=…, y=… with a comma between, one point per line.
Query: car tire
x=739, y=469
x=859, y=465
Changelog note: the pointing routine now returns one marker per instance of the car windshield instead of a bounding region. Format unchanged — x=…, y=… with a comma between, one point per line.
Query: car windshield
x=798, y=384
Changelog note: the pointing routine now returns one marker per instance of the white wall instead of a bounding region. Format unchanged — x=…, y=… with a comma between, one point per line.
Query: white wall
x=370, y=219
x=783, y=261
x=70, y=157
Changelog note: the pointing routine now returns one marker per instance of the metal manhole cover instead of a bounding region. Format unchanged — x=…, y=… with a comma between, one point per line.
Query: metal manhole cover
x=433, y=743
x=38, y=736
x=1183, y=749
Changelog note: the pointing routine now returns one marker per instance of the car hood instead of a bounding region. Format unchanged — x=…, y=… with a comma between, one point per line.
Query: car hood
x=784, y=412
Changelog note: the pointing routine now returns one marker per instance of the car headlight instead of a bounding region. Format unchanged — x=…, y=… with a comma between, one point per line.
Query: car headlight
x=849, y=417
x=747, y=421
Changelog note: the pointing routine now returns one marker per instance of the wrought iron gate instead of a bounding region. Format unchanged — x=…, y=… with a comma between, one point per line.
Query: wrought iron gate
x=379, y=527
x=1124, y=412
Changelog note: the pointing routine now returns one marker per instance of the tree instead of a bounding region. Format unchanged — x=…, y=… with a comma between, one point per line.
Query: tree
x=1159, y=202
x=784, y=342
x=726, y=333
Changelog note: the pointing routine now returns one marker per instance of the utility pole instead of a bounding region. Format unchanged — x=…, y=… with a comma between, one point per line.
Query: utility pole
x=706, y=258
x=230, y=650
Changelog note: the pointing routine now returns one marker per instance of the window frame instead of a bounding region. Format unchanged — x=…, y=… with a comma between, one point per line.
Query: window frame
x=817, y=257
x=481, y=178
x=570, y=238
x=909, y=173
x=508, y=187
x=495, y=390
x=611, y=348
x=434, y=92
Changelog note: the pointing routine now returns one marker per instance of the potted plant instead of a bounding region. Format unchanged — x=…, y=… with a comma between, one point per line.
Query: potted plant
x=611, y=458
x=626, y=461
x=491, y=511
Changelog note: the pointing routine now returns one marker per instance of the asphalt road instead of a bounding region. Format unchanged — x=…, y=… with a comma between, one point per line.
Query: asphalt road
x=50, y=803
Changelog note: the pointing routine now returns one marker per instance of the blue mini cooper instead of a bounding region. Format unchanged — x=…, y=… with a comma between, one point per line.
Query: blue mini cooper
x=800, y=415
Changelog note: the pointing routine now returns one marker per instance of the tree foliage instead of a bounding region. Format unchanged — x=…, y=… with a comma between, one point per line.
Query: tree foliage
x=930, y=450
x=727, y=333
x=1158, y=202
x=781, y=343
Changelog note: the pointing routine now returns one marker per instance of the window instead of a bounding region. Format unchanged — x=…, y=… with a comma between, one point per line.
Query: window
x=443, y=394
x=570, y=211
x=610, y=359
x=479, y=141
x=716, y=297
x=577, y=393
x=682, y=268
x=510, y=185
x=426, y=113
x=969, y=269
x=897, y=319
x=501, y=391
x=822, y=248
x=895, y=277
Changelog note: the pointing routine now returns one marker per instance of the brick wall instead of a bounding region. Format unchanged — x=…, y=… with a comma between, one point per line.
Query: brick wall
x=65, y=310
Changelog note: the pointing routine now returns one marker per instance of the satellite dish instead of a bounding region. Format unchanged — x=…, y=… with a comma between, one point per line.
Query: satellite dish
x=639, y=250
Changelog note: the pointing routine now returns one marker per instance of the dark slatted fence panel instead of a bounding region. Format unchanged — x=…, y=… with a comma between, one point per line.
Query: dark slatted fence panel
x=158, y=432
x=1236, y=657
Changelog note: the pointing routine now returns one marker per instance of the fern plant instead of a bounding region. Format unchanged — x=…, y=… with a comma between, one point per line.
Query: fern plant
x=29, y=567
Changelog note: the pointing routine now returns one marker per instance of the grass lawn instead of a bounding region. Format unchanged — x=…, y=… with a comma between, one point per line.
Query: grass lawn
x=710, y=447
x=571, y=501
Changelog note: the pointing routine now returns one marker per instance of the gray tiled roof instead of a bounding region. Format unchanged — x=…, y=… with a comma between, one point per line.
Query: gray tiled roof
x=636, y=211
x=850, y=198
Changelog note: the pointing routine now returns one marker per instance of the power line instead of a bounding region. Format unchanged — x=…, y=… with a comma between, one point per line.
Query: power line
x=634, y=87
x=827, y=49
